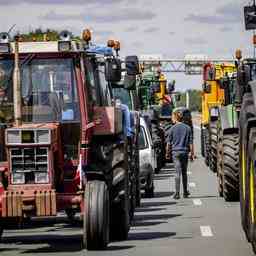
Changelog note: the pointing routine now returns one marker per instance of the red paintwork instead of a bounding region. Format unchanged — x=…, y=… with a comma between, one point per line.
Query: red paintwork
x=206, y=67
x=69, y=196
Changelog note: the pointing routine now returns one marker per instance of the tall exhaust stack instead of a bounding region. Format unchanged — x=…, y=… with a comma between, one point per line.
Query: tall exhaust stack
x=17, y=85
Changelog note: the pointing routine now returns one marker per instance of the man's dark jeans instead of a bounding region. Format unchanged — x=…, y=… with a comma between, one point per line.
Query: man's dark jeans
x=180, y=161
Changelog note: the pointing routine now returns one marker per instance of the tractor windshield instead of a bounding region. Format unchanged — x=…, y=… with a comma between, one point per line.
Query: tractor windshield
x=123, y=95
x=6, y=96
x=49, y=91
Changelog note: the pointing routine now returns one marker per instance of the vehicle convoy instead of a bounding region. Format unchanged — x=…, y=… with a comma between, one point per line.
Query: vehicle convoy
x=212, y=98
x=148, y=158
x=156, y=106
x=67, y=147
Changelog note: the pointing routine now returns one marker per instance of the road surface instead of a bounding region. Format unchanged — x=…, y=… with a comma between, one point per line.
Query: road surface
x=202, y=225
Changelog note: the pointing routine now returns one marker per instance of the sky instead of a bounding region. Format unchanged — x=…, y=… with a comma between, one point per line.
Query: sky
x=168, y=27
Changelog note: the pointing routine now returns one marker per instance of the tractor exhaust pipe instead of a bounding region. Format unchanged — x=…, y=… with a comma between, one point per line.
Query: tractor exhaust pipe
x=17, y=85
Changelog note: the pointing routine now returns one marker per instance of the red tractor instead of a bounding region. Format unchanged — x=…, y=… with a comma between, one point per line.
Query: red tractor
x=66, y=148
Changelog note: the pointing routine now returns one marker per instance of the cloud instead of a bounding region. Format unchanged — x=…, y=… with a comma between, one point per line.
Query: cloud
x=151, y=30
x=137, y=44
x=123, y=14
x=226, y=29
x=226, y=14
x=195, y=40
x=209, y=20
x=131, y=29
x=58, y=2
x=102, y=32
x=172, y=33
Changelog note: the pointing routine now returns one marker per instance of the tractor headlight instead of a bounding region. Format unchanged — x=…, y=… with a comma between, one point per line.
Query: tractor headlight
x=4, y=48
x=64, y=46
x=18, y=178
x=41, y=177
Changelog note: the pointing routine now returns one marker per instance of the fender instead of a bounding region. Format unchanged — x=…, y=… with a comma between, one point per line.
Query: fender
x=228, y=118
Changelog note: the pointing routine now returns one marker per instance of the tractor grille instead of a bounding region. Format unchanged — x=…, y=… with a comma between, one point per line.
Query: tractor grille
x=26, y=160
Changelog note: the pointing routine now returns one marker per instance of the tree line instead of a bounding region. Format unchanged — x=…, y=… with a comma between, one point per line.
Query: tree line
x=195, y=100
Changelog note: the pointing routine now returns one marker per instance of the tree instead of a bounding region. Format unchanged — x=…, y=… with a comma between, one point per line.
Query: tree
x=195, y=100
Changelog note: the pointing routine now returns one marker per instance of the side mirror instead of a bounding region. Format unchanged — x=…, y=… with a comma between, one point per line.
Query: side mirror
x=130, y=82
x=171, y=87
x=155, y=87
x=177, y=97
x=250, y=17
x=207, y=88
x=113, y=70
x=243, y=75
x=132, y=65
x=210, y=73
x=224, y=83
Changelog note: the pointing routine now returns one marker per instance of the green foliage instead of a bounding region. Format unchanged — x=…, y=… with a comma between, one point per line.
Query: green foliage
x=40, y=34
x=195, y=101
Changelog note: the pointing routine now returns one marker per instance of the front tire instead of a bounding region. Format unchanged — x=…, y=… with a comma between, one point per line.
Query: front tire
x=231, y=167
x=213, y=146
x=96, y=215
x=207, y=147
x=120, y=209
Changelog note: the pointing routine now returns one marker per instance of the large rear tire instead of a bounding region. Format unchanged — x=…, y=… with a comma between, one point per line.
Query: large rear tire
x=231, y=167
x=96, y=215
x=202, y=142
x=121, y=210
x=220, y=166
x=1, y=231
x=207, y=147
x=213, y=145
x=251, y=160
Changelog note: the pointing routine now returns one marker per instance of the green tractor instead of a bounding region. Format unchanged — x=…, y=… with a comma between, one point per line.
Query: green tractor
x=228, y=141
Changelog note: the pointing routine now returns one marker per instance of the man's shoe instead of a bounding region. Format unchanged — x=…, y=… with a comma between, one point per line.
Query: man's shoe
x=176, y=196
x=186, y=194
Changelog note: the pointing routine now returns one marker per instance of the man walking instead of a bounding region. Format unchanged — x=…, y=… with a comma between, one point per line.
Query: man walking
x=180, y=142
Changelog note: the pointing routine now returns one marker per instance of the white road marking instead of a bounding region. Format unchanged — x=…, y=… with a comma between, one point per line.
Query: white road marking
x=197, y=127
x=189, y=173
x=197, y=202
x=206, y=231
x=192, y=184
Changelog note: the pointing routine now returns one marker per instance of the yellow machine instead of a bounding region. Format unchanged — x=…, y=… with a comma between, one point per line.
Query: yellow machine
x=212, y=97
x=159, y=96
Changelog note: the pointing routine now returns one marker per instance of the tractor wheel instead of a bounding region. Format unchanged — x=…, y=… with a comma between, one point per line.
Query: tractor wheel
x=96, y=215
x=1, y=231
x=120, y=209
x=202, y=142
x=207, y=147
x=231, y=167
x=149, y=190
x=247, y=111
x=220, y=166
x=213, y=146
x=70, y=214
x=137, y=170
x=244, y=191
x=250, y=190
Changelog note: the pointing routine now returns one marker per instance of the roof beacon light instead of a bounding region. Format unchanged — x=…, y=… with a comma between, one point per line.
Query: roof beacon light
x=65, y=36
x=4, y=38
x=238, y=54
x=111, y=43
x=117, y=46
x=87, y=35
x=4, y=43
x=64, y=44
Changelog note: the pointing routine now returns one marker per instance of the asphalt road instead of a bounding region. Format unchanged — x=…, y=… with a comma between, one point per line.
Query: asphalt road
x=202, y=225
